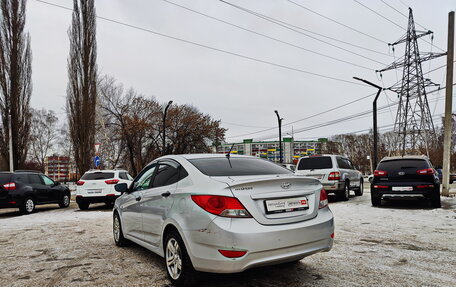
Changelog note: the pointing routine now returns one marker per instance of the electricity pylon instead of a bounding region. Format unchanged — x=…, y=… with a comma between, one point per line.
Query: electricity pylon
x=413, y=126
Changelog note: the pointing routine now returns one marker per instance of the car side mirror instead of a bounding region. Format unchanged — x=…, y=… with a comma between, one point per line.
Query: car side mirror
x=56, y=183
x=121, y=187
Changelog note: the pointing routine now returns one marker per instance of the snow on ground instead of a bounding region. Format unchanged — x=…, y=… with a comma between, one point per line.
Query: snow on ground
x=402, y=243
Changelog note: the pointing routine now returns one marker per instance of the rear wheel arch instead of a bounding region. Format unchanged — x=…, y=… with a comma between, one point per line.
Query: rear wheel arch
x=168, y=229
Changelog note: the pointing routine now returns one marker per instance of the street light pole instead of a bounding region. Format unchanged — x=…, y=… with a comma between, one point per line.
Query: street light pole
x=279, y=119
x=164, y=126
x=374, y=107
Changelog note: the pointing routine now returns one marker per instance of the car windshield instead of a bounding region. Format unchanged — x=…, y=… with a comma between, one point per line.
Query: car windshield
x=318, y=162
x=98, y=175
x=236, y=166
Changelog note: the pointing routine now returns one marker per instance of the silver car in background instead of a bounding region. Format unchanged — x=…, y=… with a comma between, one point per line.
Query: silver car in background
x=222, y=214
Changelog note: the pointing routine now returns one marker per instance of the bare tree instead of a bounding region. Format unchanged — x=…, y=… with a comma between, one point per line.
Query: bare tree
x=82, y=85
x=43, y=135
x=15, y=82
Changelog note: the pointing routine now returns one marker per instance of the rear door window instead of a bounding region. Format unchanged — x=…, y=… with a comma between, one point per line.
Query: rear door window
x=98, y=175
x=35, y=179
x=123, y=175
x=318, y=162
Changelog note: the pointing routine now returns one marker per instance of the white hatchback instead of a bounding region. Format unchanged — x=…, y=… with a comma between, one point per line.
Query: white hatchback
x=97, y=186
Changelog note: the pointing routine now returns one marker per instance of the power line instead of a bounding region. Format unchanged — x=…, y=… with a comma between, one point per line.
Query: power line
x=289, y=27
x=209, y=47
x=337, y=22
x=392, y=7
x=394, y=23
x=265, y=36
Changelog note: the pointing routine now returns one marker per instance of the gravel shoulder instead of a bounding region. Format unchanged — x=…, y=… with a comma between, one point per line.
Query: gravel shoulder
x=402, y=243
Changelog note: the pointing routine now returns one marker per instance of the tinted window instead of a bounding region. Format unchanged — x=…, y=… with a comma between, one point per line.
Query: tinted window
x=143, y=179
x=342, y=163
x=237, y=166
x=318, y=162
x=34, y=179
x=98, y=175
x=349, y=164
x=166, y=174
x=403, y=164
x=123, y=175
x=47, y=180
x=22, y=178
x=5, y=178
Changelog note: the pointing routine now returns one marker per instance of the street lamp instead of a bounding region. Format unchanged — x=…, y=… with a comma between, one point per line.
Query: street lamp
x=164, y=125
x=374, y=104
x=279, y=119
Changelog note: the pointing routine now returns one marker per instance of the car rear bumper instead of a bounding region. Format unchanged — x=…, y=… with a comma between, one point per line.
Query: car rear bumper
x=265, y=244
x=333, y=186
x=390, y=193
x=96, y=199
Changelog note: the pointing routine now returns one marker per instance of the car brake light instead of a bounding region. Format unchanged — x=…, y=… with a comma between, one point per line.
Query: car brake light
x=221, y=205
x=335, y=175
x=112, y=181
x=427, y=171
x=9, y=186
x=332, y=235
x=323, y=199
x=380, y=173
x=425, y=186
x=80, y=182
x=232, y=253
x=380, y=186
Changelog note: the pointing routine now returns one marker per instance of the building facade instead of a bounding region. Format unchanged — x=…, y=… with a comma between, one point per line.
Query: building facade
x=292, y=150
x=57, y=168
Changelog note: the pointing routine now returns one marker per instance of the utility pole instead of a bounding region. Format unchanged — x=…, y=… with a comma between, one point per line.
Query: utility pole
x=10, y=138
x=279, y=119
x=374, y=110
x=448, y=107
x=164, y=126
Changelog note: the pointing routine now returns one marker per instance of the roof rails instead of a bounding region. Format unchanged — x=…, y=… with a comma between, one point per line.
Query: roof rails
x=24, y=170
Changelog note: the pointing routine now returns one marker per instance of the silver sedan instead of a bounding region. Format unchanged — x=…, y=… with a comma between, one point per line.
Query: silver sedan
x=222, y=214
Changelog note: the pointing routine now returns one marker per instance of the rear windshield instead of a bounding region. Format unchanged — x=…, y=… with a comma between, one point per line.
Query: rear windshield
x=5, y=178
x=318, y=162
x=98, y=175
x=403, y=164
x=237, y=166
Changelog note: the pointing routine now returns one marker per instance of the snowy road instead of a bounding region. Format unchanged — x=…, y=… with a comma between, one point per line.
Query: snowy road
x=400, y=244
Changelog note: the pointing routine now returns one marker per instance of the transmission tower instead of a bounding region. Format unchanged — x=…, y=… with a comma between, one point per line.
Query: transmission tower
x=413, y=126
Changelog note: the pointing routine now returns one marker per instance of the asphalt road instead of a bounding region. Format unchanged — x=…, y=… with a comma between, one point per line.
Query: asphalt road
x=403, y=243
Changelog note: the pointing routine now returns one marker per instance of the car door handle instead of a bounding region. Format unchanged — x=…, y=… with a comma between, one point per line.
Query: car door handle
x=138, y=198
x=166, y=194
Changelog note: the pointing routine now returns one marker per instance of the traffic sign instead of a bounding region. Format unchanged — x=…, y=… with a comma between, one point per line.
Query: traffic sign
x=96, y=161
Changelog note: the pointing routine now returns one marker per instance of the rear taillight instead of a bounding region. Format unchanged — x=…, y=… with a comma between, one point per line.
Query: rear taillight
x=80, y=182
x=380, y=173
x=381, y=186
x=335, y=175
x=232, y=253
x=427, y=171
x=9, y=186
x=425, y=186
x=112, y=181
x=323, y=199
x=221, y=205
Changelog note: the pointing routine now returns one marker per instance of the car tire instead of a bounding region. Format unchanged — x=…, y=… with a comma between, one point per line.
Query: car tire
x=359, y=191
x=345, y=193
x=117, y=232
x=64, y=201
x=376, y=200
x=28, y=205
x=186, y=276
x=83, y=205
x=435, y=200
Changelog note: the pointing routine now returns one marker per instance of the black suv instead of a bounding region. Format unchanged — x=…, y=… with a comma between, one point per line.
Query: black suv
x=407, y=176
x=25, y=189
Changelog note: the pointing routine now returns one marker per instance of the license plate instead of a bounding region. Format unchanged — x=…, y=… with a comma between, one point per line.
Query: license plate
x=402, y=188
x=286, y=204
x=91, y=191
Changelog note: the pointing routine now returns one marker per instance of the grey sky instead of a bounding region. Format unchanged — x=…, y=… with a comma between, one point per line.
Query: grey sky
x=232, y=89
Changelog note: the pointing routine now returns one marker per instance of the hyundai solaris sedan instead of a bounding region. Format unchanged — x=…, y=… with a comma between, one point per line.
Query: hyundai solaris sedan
x=222, y=214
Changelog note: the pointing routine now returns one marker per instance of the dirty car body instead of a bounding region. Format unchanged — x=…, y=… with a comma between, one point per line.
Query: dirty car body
x=232, y=213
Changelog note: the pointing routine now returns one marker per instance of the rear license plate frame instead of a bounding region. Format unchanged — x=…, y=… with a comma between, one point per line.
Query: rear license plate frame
x=284, y=205
x=402, y=188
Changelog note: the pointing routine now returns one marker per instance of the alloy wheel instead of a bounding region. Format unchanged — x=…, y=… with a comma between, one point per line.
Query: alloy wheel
x=173, y=258
x=29, y=205
x=116, y=228
x=66, y=200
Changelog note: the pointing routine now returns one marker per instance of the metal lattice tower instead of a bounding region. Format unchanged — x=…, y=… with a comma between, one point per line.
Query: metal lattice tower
x=413, y=126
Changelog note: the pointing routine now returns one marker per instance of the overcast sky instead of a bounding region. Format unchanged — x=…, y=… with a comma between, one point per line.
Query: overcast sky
x=243, y=93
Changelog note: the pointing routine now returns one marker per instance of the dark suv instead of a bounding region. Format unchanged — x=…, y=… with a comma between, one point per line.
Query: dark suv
x=25, y=189
x=407, y=176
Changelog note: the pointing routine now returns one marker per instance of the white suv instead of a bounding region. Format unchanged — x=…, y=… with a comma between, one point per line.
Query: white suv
x=98, y=186
x=335, y=172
